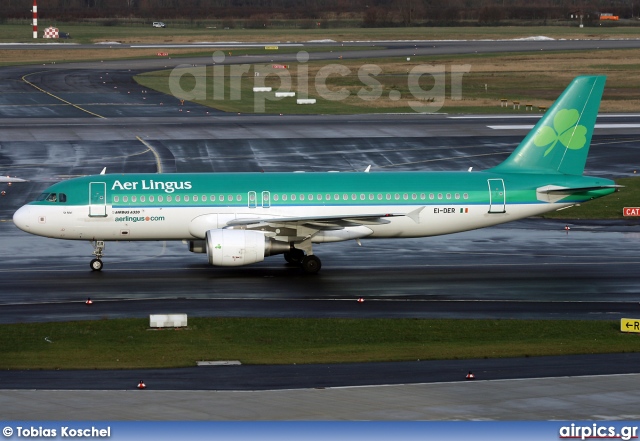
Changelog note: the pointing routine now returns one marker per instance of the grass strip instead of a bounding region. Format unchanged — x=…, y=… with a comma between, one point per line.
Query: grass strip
x=389, y=85
x=123, y=33
x=128, y=343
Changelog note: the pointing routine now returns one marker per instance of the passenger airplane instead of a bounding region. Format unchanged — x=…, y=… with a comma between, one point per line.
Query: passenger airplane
x=241, y=218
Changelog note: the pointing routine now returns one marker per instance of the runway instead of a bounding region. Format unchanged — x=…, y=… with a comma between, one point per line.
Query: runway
x=527, y=269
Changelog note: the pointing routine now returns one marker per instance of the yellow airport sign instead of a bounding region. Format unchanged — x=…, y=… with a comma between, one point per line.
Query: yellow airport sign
x=273, y=48
x=630, y=325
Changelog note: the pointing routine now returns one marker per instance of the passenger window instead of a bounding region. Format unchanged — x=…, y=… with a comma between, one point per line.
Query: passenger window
x=212, y=198
x=125, y=198
x=159, y=198
x=116, y=199
x=186, y=198
x=151, y=198
x=142, y=198
x=134, y=198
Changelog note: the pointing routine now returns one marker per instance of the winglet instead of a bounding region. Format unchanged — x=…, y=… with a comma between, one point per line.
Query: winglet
x=104, y=171
x=367, y=169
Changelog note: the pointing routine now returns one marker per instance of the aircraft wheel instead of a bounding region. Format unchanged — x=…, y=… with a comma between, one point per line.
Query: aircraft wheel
x=294, y=257
x=311, y=264
x=96, y=265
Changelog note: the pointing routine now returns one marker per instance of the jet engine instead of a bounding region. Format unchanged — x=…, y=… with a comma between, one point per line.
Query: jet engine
x=241, y=247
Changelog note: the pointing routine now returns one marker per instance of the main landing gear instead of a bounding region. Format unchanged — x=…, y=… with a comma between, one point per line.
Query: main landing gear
x=309, y=263
x=98, y=251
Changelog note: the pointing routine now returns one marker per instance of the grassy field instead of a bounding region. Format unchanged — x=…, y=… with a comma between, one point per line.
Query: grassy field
x=87, y=33
x=395, y=84
x=124, y=344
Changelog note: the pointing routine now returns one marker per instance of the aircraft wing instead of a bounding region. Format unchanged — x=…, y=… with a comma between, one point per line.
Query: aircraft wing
x=325, y=222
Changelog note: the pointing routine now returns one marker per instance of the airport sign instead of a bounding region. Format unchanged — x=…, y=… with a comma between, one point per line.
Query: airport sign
x=631, y=211
x=630, y=325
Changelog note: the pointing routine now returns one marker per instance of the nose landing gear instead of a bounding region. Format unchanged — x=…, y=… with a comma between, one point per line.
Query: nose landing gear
x=98, y=251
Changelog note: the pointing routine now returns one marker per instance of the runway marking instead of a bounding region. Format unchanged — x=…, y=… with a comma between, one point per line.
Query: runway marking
x=441, y=159
x=374, y=298
x=230, y=44
x=462, y=382
x=52, y=269
x=598, y=126
x=606, y=115
x=155, y=153
x=24, y=78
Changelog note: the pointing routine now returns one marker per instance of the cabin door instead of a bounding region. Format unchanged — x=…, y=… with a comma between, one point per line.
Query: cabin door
x=497, y=196
x=97, y=199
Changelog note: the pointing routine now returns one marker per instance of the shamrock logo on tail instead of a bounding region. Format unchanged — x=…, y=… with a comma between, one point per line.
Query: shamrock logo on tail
x=565, y=129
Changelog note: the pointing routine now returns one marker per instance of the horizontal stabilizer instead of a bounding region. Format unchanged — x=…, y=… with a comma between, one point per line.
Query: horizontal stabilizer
x=555, y=189
x=555, y=193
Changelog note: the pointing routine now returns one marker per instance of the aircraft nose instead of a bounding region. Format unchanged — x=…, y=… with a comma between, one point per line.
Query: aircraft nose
x=22, y=218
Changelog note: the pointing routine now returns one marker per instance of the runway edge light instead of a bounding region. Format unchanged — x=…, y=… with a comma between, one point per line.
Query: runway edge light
x=630, y=325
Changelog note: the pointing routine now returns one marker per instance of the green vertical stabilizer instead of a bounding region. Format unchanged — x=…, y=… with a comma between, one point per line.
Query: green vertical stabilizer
x=560, y=141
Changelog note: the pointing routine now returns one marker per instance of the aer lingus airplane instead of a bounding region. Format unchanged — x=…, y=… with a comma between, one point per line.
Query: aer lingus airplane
x=241, y=218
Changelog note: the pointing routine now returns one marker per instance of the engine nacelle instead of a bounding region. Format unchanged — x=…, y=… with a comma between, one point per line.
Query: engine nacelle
x=240, y=247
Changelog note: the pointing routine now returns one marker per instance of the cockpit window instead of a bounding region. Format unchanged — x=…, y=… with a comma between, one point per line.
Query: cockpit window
x=52, y=197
